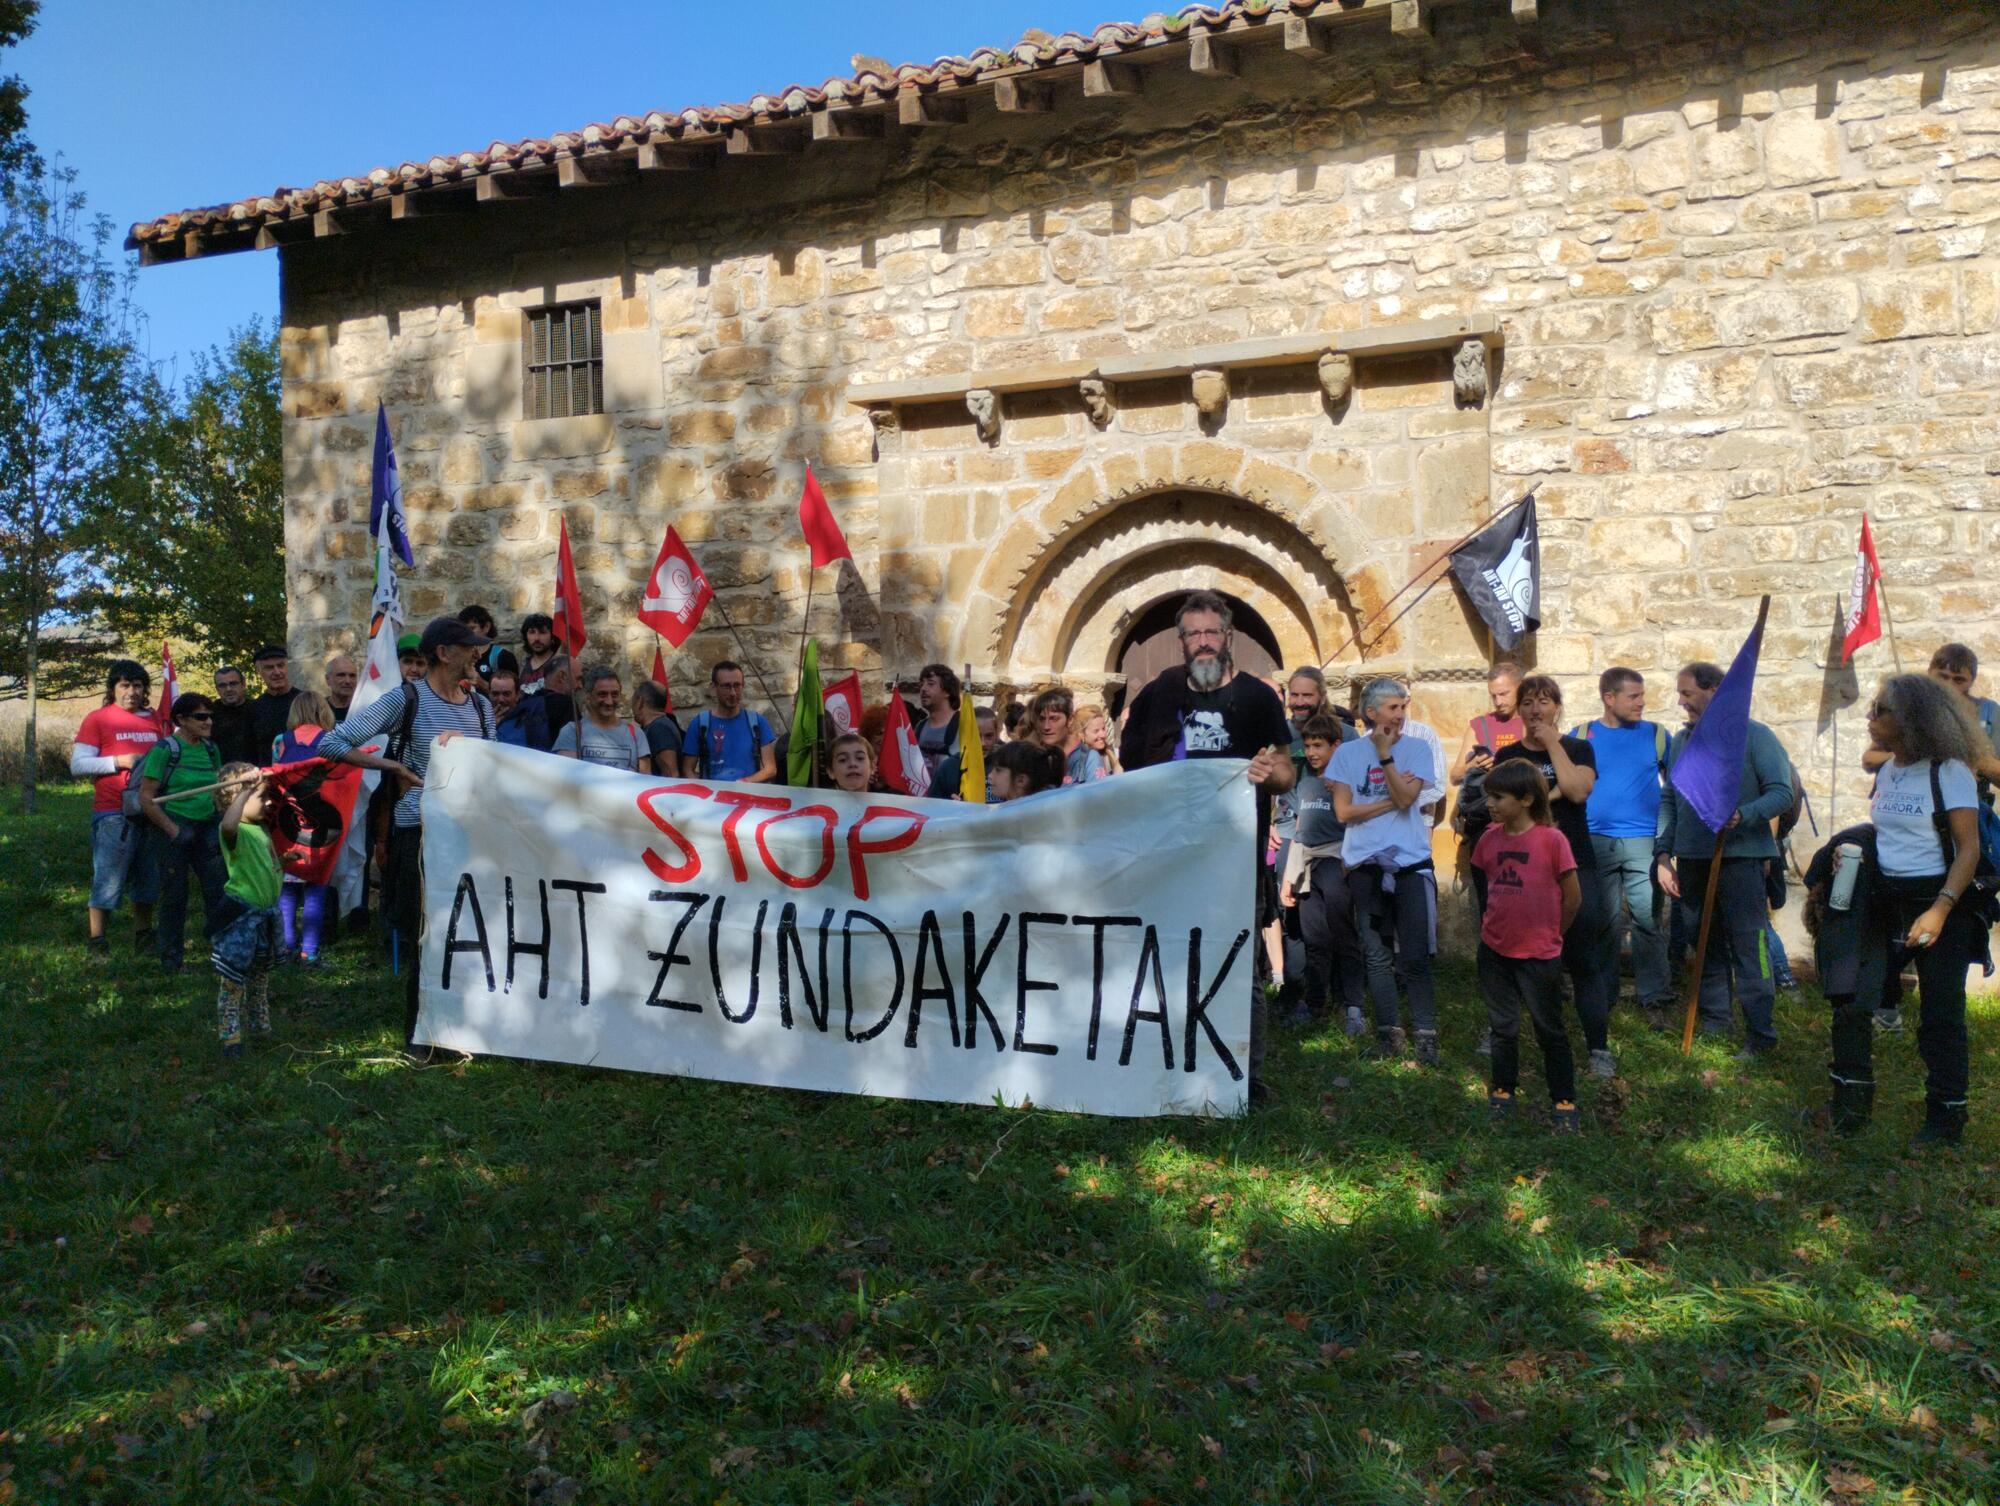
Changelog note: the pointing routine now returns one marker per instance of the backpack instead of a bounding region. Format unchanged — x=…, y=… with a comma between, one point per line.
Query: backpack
x=1981, y=893
x=1660, y=739
x=128, y=802
x=700, y=725
x=1471, y=812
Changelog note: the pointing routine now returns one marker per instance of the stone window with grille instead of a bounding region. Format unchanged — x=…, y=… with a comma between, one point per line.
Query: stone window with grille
x=564, y=361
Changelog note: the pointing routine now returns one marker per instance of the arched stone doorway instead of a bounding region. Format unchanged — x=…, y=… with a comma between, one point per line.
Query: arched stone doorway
x=1153, y=643
x=1095, y=589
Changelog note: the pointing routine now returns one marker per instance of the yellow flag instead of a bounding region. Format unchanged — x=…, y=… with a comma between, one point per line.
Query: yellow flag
x=971, y=753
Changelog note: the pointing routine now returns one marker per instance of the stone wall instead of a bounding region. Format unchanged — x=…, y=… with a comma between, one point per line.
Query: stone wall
x=1738, y=258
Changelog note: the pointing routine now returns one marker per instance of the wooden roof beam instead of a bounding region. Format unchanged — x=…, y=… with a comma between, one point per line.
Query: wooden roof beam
x=1527, y=12
x=1017, y=96
x=670, y=156
x=1411, y=19
x=499, y=187
x=1104, y=79
x=405, y=204
x=764, y=141
x=914, y=109
x=842, y=124
x=600, y=171
x=1305, y=36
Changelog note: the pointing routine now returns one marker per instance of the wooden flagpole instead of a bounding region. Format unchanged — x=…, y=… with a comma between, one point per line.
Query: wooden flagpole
x=1441, y=559
x=1888, y=622
x=749, y=659
x=1708, y=894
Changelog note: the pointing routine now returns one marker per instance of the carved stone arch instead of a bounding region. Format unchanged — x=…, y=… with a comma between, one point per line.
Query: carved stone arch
x=1068, y=619
x=1252, y=508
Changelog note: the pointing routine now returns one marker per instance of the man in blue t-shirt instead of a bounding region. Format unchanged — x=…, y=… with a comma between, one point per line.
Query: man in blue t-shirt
x=1624, y=814
x=1958, y=667
x=729, y=741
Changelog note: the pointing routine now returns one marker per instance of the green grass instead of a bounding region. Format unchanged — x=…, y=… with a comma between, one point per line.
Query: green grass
x=325, y=1273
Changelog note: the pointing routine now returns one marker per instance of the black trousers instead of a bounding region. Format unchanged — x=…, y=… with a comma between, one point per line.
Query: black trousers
x=1333, y=961
x=1941, y=967
x=403, y=906
x=1512, y=987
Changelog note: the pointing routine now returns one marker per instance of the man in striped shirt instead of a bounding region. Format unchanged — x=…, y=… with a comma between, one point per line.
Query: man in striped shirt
x=434, y=710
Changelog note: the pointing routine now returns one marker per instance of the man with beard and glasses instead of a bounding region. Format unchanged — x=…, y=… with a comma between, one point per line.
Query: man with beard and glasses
x=1206, y=709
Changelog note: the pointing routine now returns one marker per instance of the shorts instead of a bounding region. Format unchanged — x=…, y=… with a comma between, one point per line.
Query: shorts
x=123, y=864
x=246, y=941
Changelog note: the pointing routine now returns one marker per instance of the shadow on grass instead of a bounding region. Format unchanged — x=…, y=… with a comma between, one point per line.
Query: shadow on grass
x=328, y=1274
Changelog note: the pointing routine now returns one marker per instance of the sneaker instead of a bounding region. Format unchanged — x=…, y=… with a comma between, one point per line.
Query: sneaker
x=1751, y=1053
x=1659, y=1017
x=1499, y=1106
x=1603, y=1065
x=1485, y=1046
x=1889, y=1021
x=97, y=948
x=1566, y=1119
x=1297, y=1017
x=1427, y=1048
x=1353, y=1024
x=1389, y=1040
x=1936, y=1136
x=232, y=1048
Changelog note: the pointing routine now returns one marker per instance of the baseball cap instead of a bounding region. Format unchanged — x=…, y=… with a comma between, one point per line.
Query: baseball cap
x=449, y=632
x=407, y=644
x=270, y=651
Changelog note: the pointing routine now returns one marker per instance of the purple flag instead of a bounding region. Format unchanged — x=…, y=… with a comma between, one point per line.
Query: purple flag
x=385, y=493
x=1709, y=772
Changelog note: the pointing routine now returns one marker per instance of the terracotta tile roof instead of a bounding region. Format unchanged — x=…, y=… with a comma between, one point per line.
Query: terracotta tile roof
x=875, y=88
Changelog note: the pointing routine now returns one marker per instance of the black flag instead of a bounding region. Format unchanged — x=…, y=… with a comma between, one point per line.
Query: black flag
x=1839, y=688
x=1501, y=570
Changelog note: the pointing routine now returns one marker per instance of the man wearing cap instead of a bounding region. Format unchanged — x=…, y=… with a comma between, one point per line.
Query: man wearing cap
x=410, y=656
x=435, y=709
x=272, y=710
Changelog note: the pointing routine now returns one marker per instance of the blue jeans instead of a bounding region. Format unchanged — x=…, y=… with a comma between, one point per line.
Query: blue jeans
x=1739, y=953
x=1625, y=879
x=121, y=864
x=199, y=851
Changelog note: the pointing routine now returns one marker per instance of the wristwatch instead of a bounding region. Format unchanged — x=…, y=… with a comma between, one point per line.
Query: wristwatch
x=1385, y=761
x=1949, y=896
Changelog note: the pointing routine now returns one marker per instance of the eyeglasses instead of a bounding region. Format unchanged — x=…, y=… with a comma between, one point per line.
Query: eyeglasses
x=1199, y=635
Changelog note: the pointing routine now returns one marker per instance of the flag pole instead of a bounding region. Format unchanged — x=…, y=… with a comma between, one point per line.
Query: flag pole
x=749, y=659
x=1441, y=559
x=1714, y=883
x=1889, y=623
x=1701, y=941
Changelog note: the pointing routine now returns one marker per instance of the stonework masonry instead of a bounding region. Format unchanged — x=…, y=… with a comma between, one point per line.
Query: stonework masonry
x=1735, y=259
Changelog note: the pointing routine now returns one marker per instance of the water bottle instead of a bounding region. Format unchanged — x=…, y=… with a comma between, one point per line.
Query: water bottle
x=1846, y=869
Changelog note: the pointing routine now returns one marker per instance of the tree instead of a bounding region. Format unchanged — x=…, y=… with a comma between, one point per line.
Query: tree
x=192, y=546
x=69, y=390
x=17, y=19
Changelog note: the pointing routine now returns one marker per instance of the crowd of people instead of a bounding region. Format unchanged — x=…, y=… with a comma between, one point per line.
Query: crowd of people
x=1574, y=842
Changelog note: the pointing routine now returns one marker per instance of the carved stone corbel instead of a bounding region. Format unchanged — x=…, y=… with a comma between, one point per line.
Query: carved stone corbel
x=984, y=406
x=1336, y=376
x=1468, y=374
x=1211, y=395
x=1096, y=400
x=887, y=421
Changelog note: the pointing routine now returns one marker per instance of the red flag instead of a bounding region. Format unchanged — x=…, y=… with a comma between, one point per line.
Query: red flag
x=676, y=593
x=170, y=685
x=843, y=702
x=902, y=760
x=1864, y=602
x=569, y=601
x=823, y=535
x=315, y=801
x=660, y=675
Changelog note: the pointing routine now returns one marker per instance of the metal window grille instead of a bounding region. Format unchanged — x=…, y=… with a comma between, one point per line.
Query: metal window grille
x=564, y=358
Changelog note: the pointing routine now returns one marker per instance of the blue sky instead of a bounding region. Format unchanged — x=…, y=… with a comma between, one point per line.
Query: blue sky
x=164, y=106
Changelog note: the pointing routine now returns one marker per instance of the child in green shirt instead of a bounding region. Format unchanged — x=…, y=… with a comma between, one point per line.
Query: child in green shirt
x=246, y=940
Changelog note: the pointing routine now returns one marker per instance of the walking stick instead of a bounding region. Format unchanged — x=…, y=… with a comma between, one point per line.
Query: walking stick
x=1701, y=940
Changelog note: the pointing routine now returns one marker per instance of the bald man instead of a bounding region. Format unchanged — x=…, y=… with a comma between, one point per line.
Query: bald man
x=342, y=676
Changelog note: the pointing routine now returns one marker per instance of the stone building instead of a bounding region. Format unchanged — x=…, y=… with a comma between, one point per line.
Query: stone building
x=1277, y=297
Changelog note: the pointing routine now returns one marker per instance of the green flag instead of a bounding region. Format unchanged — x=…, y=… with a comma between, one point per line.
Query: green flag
x=802, y=761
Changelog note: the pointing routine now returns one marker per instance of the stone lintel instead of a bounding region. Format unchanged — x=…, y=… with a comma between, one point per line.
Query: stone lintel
x=1276, y=350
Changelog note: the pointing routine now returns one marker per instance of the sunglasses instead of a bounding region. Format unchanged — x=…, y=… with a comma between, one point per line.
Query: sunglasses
x=199, y=716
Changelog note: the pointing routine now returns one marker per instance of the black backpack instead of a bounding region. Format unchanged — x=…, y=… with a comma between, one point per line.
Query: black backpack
x=1471, y=812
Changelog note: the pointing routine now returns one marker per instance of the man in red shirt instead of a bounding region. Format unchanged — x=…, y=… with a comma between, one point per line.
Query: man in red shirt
x=112, y=740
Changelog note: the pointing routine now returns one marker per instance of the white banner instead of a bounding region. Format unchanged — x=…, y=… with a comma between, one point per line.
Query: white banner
x=1089, y=949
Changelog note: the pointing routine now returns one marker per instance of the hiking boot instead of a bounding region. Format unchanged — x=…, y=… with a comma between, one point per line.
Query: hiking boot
x=1485, y=1046
x=1889, y=1021
x=1353, y=1024
x=1427, y=1048
x=1603, y=1065
x=1752, y=1052
x=1297, y=1017
x=1659, y=1017
x=1852, y=1103
x=1499, y=1106
x=1565, y=1119
x=1388, y=1045
x=1942, y=1127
